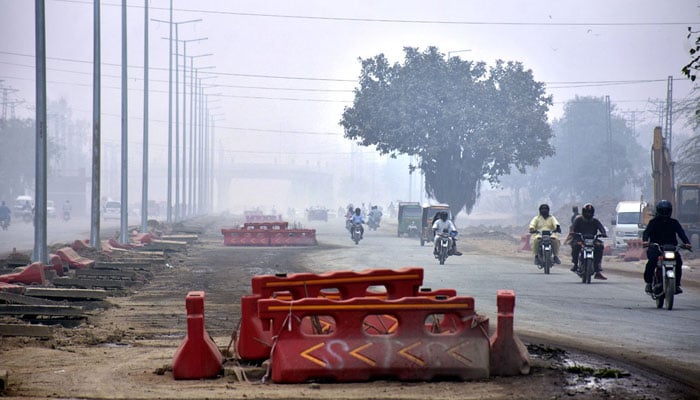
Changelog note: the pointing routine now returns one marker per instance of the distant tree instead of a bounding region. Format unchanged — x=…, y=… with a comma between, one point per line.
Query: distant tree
x=687, y=156
x=466, y=121
x=17, y=141
x=590, y=164
x=690, y=69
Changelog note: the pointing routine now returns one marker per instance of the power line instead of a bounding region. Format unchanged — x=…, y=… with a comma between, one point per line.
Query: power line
x=402, y=21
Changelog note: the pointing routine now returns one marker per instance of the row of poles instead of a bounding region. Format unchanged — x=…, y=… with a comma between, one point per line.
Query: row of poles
x=195, y=195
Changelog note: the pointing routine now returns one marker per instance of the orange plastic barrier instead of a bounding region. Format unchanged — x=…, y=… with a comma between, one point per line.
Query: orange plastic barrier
x=197, y=357
x=430, y=338
x=266, y=225
x=55, y=264
x=73, y=259
x=525, y=243
x=246, y=237
x=293, y=237
x=509, y=355
x=254, y=343
x=31, y=274
x=634, y=251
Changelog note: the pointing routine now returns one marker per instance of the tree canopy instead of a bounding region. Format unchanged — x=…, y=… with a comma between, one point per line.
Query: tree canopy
x=590, y=161
x=468, y=122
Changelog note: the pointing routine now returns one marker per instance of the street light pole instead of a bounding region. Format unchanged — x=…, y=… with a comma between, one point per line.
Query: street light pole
x=456, y=51
x=144, y=182
x=170, y=106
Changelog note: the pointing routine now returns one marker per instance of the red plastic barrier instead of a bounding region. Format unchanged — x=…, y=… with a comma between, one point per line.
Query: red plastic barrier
x=293, y=237
x=197, y=357
x=431, y=338
x=266, y=225
x=250, y=217
x=143, y=238
x=79, y=245
x=73, y=259
x=29, y=275
x=399, y=283
x=125, y=246
x=509, y=355
x=246, y=237
x=525, y=243
x=255, y=344
x=55, y=264
x=634, y=251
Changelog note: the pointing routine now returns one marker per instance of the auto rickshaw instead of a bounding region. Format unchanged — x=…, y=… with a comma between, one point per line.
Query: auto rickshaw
x=427, y=219
x=409, y=219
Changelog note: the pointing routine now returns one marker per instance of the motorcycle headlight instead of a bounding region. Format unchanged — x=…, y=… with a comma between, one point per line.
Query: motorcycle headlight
x=669, y=255
x=589, y=242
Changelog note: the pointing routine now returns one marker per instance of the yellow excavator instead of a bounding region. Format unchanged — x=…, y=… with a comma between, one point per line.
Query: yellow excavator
x=685, y=197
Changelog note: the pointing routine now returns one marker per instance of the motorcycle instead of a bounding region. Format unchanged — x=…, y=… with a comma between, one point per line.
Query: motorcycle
x=412, y=229
x=4, y=223
x=443, y=246
x=544, y=252
x=27, y=216
x=663, y=283
x=586, y=261
x=356, y=232
x=373, y=223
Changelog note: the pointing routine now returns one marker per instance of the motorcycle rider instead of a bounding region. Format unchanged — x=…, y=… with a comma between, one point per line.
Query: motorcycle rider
x=545, y=221
x=375, y=215
x=441, y=223
x=5, y=213
x=357, y=218
x=662, y=229
x=587, y=224
x=67, y=208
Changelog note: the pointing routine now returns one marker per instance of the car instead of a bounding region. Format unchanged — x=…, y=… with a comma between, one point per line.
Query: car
x=50, y=209
x=22, y=202
x=112, y=210
x=317, y=214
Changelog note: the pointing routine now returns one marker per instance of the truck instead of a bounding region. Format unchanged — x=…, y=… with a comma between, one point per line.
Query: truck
x=685, y=197
x=628, y=222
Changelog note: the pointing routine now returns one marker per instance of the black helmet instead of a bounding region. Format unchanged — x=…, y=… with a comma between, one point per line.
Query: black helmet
x=544, y=210
x=443, y=215
x=357, y=210
x=588, y=211
x=664, y=208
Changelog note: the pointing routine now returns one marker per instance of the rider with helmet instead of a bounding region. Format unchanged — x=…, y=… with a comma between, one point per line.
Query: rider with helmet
x=5, y=213
x=357, y=218
x=587, y=224
x=441, y=223
x=662, y=229
x=545, y=221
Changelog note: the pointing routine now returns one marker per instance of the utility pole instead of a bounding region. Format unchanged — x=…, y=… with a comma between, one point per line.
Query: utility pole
x=144, y=179
x=40, y=253
x=170, y=112
x=608, y=126
x=96, y=136
x=124, y=227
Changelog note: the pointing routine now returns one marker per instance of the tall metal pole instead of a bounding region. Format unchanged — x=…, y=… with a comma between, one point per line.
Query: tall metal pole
x=190, y=208
x=184, y=130
x=40, y=253
x=123, y=237
x=96, y=135
x=177, y=126
x=170, y=119
x=144, y=180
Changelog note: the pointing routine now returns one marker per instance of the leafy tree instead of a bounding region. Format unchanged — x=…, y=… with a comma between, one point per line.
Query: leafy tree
x=688, y=160
x=589, y=164
x=467, y=122
x=17, y=140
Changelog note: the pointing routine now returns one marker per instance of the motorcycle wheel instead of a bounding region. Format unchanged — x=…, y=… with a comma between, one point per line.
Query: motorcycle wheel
x=422, y=242
x=670, y=291
x=442, y=256
x=587, y=271
x=547, y=261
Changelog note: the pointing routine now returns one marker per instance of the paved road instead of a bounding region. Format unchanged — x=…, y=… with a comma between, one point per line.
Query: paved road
x=612, y=317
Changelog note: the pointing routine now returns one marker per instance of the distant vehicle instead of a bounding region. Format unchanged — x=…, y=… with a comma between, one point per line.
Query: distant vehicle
x=427, y=219
x=317, y=214
x=409, y=219
x=112, y=210
x=50, y=209
x=628, y=222
x=20, y=203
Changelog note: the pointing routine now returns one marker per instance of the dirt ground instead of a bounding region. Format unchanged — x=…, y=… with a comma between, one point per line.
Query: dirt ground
x=125, y=349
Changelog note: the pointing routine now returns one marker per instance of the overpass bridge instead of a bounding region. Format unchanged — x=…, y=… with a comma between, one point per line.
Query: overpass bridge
x=306, y=184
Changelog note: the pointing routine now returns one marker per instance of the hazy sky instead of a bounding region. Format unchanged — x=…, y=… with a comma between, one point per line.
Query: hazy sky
x=291, y=65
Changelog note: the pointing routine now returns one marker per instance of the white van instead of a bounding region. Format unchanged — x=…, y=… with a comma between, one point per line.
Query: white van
x=627, y=222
